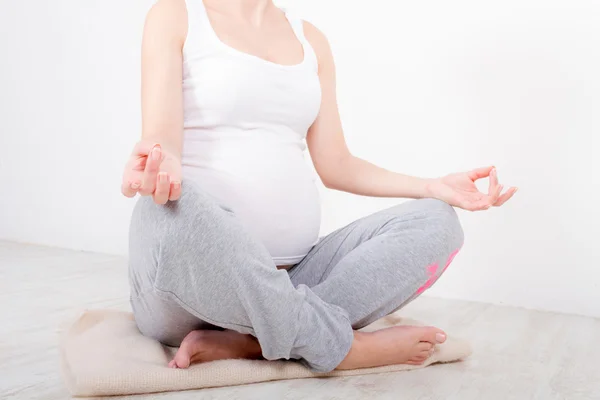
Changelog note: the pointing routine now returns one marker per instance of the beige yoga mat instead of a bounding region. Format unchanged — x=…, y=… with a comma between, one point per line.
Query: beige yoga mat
x=103, y=353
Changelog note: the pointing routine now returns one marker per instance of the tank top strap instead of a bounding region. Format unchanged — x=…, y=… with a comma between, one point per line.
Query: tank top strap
x=198, y=26
x=297, y=25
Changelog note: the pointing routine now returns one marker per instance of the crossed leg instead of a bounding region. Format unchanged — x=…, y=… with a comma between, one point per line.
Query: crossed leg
x=194, y=268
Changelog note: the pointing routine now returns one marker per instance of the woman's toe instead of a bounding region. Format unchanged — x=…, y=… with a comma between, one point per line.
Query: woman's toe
x=433, y=335
x=182, y=359
x=425, y=346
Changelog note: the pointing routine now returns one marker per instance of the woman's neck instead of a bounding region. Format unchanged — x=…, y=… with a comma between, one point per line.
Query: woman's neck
x=249, y=10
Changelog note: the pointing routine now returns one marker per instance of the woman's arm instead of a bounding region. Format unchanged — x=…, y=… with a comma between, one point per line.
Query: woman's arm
x=154, y=167
x=340, y=170
x=162, y=101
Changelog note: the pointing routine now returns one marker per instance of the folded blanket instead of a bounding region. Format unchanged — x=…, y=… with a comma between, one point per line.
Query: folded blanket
x=103, y=353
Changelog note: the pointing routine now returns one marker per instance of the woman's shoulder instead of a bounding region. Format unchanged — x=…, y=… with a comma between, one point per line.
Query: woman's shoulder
x=167, y=18
x=318, y=42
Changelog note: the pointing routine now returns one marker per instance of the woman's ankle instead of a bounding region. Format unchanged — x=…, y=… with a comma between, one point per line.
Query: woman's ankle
x=354, y=356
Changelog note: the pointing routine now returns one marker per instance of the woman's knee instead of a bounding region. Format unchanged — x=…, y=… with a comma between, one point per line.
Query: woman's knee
x=444, y=218
x=434, y=233
x=174, y=223
x=438, y=220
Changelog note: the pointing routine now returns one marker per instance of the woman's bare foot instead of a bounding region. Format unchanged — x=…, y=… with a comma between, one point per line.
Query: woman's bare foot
x=208, y=345
x=395, y=345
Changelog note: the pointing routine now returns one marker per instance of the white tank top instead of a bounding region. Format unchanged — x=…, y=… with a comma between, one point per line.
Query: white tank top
x=245, y=122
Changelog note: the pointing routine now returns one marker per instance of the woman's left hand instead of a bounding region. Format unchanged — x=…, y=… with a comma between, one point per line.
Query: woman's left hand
x=459, y=190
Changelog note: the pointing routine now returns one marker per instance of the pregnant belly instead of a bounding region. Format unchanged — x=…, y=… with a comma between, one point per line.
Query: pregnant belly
x=274, y=197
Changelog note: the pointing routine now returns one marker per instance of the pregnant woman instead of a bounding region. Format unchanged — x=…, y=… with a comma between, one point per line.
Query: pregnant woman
x=225, y=257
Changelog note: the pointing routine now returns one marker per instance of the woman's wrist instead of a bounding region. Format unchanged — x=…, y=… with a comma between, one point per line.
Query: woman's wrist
x=410, y=187
x=428, y=188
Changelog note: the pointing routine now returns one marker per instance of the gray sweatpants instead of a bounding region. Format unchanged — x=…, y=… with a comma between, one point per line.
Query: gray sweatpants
x=193, y=265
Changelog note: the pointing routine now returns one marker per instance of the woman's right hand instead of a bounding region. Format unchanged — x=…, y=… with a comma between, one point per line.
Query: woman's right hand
x=152, y=171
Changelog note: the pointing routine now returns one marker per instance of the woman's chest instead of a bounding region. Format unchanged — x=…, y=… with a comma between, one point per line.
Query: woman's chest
x=226, y=90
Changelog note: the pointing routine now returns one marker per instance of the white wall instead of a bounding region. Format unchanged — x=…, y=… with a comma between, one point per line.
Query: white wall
x=424, y=87
x=69, y=115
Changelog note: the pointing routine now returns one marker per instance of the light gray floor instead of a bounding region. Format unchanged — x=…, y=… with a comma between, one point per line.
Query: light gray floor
x=519, y=354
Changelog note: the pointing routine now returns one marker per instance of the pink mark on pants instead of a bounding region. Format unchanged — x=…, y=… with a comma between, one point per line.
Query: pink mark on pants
x=432, y=272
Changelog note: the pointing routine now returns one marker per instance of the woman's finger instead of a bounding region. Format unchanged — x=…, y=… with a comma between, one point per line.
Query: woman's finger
x=137, y=163
x=480, y=173
x=132, y=176
x=488, y=200
x=505, y=197
x=493, y=187
x=161, y=194
x=493, y=198
x=175, y=191
x=143, y=148
x=151, y=172
x=130, y=189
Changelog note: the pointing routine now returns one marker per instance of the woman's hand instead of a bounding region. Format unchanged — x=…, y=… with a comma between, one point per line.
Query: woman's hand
x=152, y=171
x=459, y=190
